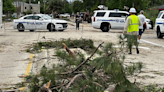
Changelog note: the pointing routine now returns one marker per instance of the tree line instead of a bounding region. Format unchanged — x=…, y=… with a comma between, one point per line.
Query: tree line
x=63, y=6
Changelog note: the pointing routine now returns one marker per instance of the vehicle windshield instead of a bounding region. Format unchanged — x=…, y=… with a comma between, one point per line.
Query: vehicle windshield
x=46, y=17
x=159, y=15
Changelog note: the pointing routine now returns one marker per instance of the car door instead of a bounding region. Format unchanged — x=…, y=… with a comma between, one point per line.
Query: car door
x=161, y=22
x=29, y=23
x=99, y=18
x=117, y=19
x=122, y=20
x=38, y=23
x=114, y=19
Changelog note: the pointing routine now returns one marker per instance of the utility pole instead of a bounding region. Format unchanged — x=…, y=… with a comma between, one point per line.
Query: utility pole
x=102, y=2
x=23, y=5
x=44, y=5
x=1, y=4
x=133, y=3
x=64, y=5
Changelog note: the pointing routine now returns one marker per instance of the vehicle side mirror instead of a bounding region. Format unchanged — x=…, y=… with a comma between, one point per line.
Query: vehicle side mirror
x=40, y=19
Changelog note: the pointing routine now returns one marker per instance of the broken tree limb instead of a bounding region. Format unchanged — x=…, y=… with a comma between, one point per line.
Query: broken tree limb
x=87, y=58
x=45, y=87
x=59, y=86
x=68, y=50
x=97, y=84
x=72, y=80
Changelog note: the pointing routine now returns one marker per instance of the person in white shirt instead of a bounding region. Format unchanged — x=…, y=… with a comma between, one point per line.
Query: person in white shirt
x=143, y=22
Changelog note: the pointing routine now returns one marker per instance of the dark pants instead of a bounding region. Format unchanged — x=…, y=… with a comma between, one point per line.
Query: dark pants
x=132, y=40
x=140, y=31
x=77, y=25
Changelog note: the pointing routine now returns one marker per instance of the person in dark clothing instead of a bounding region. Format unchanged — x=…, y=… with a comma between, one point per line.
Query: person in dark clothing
x=57, y=15
x=77, y=19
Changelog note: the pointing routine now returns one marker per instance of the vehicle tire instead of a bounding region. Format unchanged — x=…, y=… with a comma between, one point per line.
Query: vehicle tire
x=159, y=34
x=51, y=27
x=20, y=27
x=105, y=28
x=31, y=30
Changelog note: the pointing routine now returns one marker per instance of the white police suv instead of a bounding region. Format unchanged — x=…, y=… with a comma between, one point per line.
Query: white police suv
x=159, y=24
x=39, y=22
x=106, y=19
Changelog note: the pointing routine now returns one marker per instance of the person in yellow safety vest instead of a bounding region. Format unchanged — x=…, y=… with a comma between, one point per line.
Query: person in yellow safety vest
x=132, y=27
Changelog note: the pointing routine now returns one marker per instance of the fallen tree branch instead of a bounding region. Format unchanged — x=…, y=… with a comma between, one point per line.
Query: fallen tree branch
x=72, y=80
x=59, y=86
x=97, y=84
x=87, y=58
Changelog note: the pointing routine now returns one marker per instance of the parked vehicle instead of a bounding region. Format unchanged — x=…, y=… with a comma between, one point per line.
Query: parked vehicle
x=65, y=15
x=106, y=19
x=112, y=19
x=159, y=24
x=39, y=22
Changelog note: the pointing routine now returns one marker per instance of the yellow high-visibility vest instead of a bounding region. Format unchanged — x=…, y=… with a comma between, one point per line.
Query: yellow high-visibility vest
x=133, y=23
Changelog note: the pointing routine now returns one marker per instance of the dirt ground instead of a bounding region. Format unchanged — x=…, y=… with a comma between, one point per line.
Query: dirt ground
x=14, y=58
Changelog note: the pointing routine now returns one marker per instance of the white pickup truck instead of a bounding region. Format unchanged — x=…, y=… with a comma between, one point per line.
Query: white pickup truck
x=39, y=22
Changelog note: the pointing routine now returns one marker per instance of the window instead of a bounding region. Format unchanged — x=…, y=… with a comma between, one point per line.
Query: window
x=24, y=7
x=28, y=17
x=163, y=17
x=36, y=17
x=159, y=15
x=31, y=7
x=100, y=14
x=123, y=15
x=46, y=17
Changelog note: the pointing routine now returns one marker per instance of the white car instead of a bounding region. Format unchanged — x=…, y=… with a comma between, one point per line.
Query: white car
x=149, y=24
x=114, y=19
x=39, y=22
x=159, y=24
x=65, y=15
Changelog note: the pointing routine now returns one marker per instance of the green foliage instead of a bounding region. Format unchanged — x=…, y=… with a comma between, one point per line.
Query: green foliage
x=97, y=74
x=153, y=88
x=68, y=8
x=151, y=14
x=37, y=81
x=77, y=6
x=54, y=5
x=82, y=43
x=8, y=7
x=119, y=4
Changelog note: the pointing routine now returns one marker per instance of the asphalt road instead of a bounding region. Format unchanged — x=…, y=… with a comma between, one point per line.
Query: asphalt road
x=14, y=59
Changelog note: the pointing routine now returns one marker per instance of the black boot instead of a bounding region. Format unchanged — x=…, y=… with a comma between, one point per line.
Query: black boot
x=137, y=51
x=130, y=52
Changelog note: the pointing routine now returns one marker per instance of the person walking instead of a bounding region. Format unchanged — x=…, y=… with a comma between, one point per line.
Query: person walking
x=57, y=15
x=132, y=27
x=143, y=23
x=77, y=19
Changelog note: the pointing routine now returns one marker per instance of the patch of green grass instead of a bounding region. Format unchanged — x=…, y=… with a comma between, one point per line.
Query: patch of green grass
x=153, y=88
x=84, y=44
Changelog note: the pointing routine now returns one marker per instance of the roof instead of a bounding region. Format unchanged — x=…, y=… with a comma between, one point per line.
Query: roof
x=109, y=11
x=158, y=7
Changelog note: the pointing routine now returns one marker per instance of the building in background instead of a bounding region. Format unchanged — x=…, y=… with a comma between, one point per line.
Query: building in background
x=24, y=7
